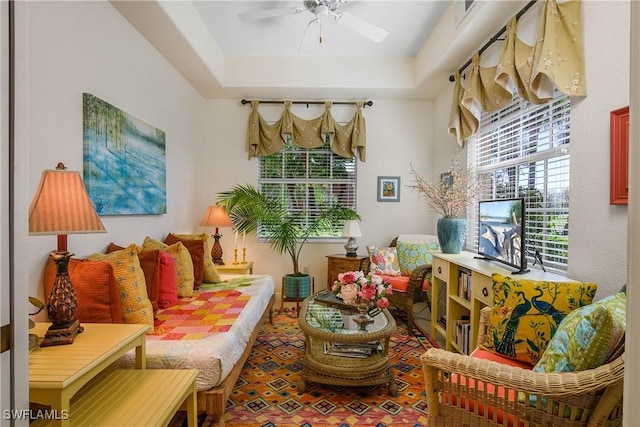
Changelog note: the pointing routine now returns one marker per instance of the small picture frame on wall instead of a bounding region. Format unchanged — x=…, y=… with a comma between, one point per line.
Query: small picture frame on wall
x=446, y=179
x=388, y=188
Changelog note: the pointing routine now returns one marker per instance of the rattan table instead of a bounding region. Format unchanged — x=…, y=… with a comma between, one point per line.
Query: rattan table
x=325, y=327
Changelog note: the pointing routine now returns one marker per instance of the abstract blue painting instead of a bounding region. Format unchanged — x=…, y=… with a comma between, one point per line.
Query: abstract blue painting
x=124, y=161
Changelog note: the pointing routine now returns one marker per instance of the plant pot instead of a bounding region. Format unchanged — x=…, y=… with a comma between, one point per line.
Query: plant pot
x=297, y=286
x=452, y=233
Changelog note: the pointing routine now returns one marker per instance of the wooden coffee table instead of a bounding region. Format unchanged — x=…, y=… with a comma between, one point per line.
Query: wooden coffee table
x=324, y=329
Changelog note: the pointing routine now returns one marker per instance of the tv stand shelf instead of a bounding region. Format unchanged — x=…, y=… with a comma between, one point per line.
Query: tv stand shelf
x=467, y=288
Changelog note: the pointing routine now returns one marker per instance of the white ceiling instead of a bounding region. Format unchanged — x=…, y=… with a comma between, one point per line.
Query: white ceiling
x=408, y=24
x=224, y=57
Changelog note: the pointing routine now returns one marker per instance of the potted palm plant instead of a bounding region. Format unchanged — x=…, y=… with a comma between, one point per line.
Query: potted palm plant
x=283, y=228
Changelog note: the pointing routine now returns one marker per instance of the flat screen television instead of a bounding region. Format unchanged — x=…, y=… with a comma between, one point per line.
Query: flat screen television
x=501, y=232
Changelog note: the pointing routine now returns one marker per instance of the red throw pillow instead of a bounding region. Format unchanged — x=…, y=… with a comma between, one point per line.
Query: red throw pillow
x=168, y=288
x=196, y=250
x=96, y=289
x=150, y=264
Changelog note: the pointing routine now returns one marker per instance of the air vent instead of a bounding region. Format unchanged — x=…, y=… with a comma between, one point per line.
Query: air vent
x=462, y=9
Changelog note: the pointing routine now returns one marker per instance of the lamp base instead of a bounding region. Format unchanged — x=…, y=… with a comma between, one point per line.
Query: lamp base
x=56, y=335
x=62, y=305
x=351, y=247
x=216, y=250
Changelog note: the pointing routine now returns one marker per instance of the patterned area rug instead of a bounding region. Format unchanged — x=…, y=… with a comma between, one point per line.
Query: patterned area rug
x=266, y=394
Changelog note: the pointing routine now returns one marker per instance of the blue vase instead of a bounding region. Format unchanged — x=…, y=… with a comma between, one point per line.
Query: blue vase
x=452, y=233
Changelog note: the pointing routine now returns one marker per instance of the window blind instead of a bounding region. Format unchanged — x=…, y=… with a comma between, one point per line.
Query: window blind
x=307, y=179
x=522, y=150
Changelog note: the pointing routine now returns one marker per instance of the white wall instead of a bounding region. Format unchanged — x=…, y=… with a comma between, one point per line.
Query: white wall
x=67, y=48
x=598, y=230
x=399, y=133
x=597, y=242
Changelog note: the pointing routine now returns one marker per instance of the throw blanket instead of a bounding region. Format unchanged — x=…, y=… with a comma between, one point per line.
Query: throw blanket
x=207, y=314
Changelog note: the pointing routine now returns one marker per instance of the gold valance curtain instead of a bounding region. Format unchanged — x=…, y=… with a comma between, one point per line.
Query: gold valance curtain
x=556, y=60
x=346, y=140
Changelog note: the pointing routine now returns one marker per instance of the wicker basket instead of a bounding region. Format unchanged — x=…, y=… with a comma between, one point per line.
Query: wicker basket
x=467, y=391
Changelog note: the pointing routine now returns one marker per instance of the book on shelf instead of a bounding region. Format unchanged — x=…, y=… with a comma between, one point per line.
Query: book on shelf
x=465, y=338
x=442, y=321
x=358, y=350
x=461, y=334
x=464, y=283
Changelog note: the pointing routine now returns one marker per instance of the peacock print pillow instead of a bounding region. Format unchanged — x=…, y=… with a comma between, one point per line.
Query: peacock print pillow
x=526, y=314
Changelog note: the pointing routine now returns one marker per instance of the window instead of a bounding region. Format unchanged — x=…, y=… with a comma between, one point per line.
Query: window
x=523, y=151
x=307, y=178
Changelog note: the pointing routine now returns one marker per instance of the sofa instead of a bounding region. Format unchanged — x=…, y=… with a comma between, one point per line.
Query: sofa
x=577, y=377
x=209, y=324
x=213, y=331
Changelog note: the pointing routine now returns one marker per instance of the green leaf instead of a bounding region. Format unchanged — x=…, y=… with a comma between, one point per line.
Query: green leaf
x=37, y=304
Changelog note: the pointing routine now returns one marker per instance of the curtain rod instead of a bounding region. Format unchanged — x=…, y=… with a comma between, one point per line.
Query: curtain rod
x=366, y=103
x=495, y=38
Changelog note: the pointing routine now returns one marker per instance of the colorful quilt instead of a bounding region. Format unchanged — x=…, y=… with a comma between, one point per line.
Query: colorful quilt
x=208, y=331
x=206, y=314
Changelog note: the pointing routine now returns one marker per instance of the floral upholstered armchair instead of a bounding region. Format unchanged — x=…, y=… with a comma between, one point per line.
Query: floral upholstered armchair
x=406, y=264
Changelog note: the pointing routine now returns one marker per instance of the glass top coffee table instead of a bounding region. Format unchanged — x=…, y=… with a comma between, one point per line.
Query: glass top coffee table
x=337, y=353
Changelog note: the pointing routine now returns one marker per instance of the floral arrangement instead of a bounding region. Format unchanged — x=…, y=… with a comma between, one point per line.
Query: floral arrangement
x=451, y=197
x=354, y=288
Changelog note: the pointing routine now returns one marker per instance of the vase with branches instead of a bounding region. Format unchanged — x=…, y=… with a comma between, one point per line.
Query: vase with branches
x=449, y=197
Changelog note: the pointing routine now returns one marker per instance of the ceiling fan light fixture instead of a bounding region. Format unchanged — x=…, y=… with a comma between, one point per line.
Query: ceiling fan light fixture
x=322, y=11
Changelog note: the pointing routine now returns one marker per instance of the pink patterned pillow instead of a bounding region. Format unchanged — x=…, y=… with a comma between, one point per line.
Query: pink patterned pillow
x=384, y=260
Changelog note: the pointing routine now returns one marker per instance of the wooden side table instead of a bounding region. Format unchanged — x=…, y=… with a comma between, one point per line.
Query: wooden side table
x=82, y=388
x=91, y=352
x=240, y=268
x=339, y=263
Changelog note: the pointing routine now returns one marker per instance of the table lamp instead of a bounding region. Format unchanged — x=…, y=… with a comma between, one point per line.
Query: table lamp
x=351, y=230
x=216, y=216
x=62, y=206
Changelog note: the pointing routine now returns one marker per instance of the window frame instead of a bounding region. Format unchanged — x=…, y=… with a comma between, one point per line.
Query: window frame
x=510, y=140
x=303, y=181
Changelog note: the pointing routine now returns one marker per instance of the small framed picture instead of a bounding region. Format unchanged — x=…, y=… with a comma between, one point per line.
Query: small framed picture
x=388, y=188
x=446, y=179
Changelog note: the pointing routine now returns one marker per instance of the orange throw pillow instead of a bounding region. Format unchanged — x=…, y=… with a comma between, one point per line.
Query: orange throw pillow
x=196, y=250
x=96, y=289
x=150, y=264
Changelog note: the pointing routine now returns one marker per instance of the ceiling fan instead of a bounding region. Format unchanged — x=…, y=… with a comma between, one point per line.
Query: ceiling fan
x=323, y=9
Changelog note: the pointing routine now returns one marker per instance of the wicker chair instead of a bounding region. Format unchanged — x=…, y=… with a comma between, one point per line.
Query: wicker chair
x=414, y=294
x=466, y=391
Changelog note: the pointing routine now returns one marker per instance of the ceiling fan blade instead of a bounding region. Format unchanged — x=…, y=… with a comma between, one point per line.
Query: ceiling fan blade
x=362, y=27
x=269, y=13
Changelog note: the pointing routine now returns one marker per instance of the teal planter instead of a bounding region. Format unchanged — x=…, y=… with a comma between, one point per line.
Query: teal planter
x=297, y=287
x=452, y=233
